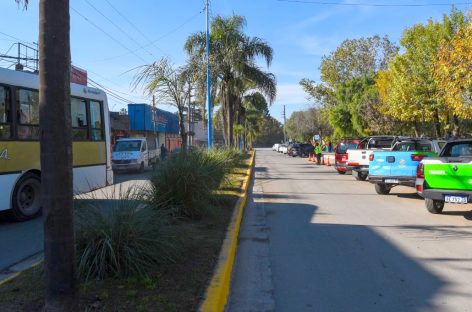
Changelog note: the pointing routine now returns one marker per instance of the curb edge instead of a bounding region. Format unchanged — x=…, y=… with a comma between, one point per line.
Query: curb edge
x=217, y=292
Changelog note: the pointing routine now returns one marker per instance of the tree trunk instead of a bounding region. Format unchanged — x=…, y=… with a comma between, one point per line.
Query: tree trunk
x=455, y=123
x=437, y=123
x=415, y=127
x=183, y=135
x=223, y=113
x=56, y=156
x=230, y=115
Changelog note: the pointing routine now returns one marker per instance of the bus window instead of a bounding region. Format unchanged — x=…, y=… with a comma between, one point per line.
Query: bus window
x=96, y=120
x=27, y=104
x=5, y=113
x=78, y=111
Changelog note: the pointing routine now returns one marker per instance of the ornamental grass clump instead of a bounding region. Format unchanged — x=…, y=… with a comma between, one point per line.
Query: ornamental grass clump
x=229, y=157
x=122, y=236
x=187, y=182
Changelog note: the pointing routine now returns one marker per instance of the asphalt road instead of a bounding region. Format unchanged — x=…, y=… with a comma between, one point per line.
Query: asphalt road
x=21, y=240
x=314, y=240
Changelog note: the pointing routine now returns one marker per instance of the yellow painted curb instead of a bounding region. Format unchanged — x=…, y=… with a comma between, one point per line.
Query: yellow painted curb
x=9, y=278
x=17, y=273
x=217, y=293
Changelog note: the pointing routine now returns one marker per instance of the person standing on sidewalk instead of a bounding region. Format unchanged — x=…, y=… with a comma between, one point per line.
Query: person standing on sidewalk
x=318, y=152
x=163, y=152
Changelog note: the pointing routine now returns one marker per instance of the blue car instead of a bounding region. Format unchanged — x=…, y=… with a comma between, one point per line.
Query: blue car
x=398, y=166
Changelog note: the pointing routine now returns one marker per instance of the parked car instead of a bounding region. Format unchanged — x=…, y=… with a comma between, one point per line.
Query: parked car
x=340, y=153
x=398, y=166
x=283, y=148
x=447, y=178
x=294, y=150
x=280, y=147
x=306, y=149
x=275, y=147
x=358, y=159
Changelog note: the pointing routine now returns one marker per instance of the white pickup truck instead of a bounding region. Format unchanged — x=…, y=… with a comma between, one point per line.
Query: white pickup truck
x=358, y=159
x=134, y=154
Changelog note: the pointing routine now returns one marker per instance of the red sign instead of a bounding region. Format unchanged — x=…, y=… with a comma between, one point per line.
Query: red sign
x=78, y=75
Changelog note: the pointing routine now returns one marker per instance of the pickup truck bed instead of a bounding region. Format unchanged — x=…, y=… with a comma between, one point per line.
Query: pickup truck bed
x=447, y=178
x=398, y=167
x=358, y=159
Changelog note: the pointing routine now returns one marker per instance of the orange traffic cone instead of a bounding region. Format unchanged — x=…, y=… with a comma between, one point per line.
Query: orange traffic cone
x=322, y=162
x=329, y=163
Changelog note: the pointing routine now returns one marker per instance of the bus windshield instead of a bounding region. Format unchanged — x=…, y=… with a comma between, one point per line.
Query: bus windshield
x=127, y=146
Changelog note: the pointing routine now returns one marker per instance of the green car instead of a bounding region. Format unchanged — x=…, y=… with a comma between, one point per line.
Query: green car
x=447, y=178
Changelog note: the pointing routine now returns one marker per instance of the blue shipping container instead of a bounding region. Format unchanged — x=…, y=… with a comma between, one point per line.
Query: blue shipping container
x=141, y=119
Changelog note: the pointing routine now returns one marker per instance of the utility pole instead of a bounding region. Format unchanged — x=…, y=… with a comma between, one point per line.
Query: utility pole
x=154, y=121
x=285, y=121
x=210, y=133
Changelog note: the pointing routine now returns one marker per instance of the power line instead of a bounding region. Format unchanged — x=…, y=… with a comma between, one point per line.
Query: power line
x=109, y=91
x=15, y=38
x=107, y=34
x=158, y=39
x=133, y=25
x=119, y=28
x=376, y=4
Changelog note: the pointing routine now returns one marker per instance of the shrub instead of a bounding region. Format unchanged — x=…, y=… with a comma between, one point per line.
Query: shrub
x=123, y=237
x=187, y=182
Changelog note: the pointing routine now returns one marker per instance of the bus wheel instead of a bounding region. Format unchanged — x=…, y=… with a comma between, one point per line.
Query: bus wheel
x=26, y=200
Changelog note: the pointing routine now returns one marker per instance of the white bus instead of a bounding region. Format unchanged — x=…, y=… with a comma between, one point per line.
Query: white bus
x=20, y=171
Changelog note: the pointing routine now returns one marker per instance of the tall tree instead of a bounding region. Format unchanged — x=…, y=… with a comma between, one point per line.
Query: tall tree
x=302, y=125
x=233, y=62
x=408, y=88
x=453, y=74
x=347, y=88
x=170, y=86
x=56, y=155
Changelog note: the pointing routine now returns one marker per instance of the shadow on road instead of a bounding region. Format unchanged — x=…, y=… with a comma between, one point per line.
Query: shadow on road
x=331, y=267
x=466, y=214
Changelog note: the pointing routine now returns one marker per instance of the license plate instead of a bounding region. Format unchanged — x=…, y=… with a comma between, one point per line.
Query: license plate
x=393, y=181
x=455, y=199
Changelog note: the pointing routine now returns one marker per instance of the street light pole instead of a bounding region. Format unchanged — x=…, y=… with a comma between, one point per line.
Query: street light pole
x=210, y=132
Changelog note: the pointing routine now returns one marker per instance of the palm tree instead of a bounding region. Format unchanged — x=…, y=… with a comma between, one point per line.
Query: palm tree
x=56, y=155
x=233, y=63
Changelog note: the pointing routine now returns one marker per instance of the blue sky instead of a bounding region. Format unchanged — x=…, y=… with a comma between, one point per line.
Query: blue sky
x=108, y=46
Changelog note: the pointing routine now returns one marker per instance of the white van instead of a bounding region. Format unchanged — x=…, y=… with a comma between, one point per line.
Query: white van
x=134, y=154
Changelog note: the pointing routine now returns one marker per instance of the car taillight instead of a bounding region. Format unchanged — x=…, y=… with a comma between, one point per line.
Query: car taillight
x=420, y=171
x=417, y=157
x=371, y=157
x=347, y=156
x=419, y=188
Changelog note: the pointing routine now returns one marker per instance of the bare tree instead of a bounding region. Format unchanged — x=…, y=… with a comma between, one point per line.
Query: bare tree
x=170, y=86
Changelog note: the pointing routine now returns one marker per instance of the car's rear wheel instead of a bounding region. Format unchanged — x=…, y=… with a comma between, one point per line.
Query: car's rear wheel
x=26, y=199
x=360, y=176
x=434, y=206
x=341, y=172
x=382, y=189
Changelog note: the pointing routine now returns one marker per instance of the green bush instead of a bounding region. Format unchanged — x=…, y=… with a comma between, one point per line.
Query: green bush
x=186, y=182
x=122, y=237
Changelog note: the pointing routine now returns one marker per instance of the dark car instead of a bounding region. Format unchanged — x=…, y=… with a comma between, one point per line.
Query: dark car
x=341, y=155
x=306, y=149
x=294, y=150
